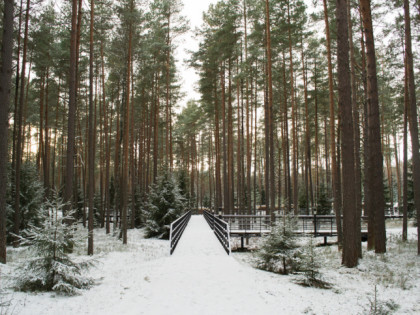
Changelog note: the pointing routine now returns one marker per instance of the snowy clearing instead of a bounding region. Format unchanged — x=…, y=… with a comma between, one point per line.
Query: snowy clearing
x=142, y=278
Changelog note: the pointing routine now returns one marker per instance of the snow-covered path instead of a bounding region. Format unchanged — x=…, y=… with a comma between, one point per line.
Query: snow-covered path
x=198, y=240
x=201, y=279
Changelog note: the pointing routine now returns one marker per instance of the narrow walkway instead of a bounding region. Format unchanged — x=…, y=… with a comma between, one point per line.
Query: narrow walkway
x=200, y=278
x=198, y=240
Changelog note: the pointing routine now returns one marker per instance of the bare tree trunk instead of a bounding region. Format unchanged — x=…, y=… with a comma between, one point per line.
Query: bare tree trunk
x=46, y=162
x=308, y=163
x=18, y=162
x=350, y=235
x=294, y=131
x=286, y=149
x=355, y=107
x=412, y=114
x=132, y=157
x=68, y=189
x=218, y=203
x=247, y=104
x=230, y=171
x=334, y=166
x=17, y=86
x=375, y=154
x=5, y=84
x=91, y=149
x=225, y=179
x=125, y=177
x=317, y=161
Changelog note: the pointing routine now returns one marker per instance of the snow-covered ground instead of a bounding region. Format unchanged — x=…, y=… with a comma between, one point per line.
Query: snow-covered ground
x=142, y=278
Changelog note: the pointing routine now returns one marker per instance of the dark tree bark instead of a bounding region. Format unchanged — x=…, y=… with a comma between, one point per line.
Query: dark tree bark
x=334, y=164
x=412, y=115
x=271, y=193
x=230, y=170
x=355, y=107
x=18, y=162
x=225, y=181
x=405, y=159
x=294, y=127
x=68, y=188
x=5, y=84
x=350, y=235
x=46, y=146
x=91, y=148
x=125, y=177
x=376, y=198
x=17, y=81
x=247, y=104
x=218, y=203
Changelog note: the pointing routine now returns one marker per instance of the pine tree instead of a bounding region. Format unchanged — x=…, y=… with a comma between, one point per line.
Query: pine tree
x=165, y=205
x=51, y=268
x=5, y=83
x=280, y=251
x=310, y=265
x=31, y=198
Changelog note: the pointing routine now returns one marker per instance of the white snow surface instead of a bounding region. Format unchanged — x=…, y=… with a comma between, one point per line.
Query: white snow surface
x=200, y=278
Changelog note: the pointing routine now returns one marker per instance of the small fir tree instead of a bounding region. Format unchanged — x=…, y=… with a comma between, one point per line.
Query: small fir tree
x=310, y=267
x=31, y=198
x=51, y=268
x=165, y=204
x=324, y=203
x=280, y=251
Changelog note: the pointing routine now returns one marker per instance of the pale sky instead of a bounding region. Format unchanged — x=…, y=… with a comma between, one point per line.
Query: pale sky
x=193, y=11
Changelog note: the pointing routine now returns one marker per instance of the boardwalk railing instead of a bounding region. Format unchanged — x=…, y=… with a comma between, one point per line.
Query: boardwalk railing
x=248, y=224
x=318, y=225
x=220, y=228
x=177, y=228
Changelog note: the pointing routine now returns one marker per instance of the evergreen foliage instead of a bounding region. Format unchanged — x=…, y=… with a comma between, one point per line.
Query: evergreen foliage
x=183, y=183
x=31, y=198
x=165, y=204
x=280, y=251
x=324, y=203
x=310, y=268
x=52, y=268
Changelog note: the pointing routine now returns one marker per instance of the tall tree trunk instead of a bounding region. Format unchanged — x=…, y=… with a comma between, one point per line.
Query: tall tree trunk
x=334, y=166
x=68, y=189
x=40, y=154
x=405, y=161
x=350, y=235
x=286, y=150
x=46, y=162
x=57, y=110
x=375, y=173
x=168, y=157
x=308, y=163
x=366, y=185
x=17, y=81
x=17, y=214
x=230, y=171
x=91, y=149
x=294, y=124
x=156, y=129
x=412, y=114
x=248, y=136
x=239, y=170
x=225, y=180
x=272, y=191
x=317, y=161
x=5, y=84
x=125, y=177
x=356, y=129
x=218, y=203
